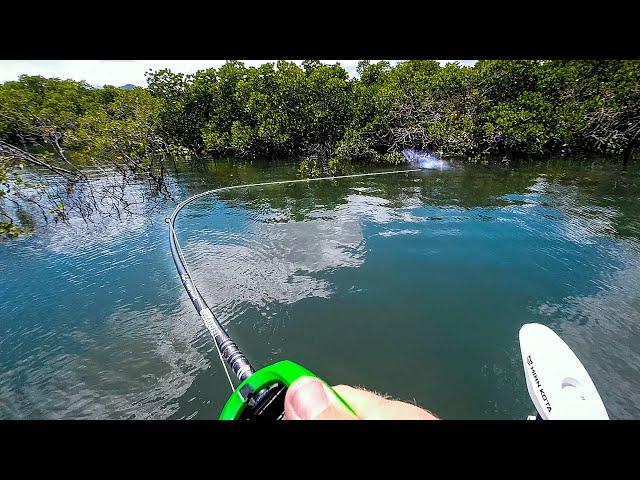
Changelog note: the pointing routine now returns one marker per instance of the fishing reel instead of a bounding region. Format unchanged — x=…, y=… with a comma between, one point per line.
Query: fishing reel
x=261, y=396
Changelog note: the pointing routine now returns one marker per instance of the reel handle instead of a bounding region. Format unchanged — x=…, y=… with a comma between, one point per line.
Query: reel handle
x=261, y=396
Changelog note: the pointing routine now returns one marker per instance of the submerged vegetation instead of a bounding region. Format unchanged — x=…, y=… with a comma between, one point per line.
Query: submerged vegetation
x=67, y=131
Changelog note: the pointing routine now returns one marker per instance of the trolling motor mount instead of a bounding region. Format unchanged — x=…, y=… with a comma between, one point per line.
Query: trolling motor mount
x=558, y=384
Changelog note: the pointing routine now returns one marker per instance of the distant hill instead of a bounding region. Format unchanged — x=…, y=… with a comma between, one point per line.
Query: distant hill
x=128, y=86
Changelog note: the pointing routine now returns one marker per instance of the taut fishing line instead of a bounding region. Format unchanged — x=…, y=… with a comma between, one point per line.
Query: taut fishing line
x=227, y=350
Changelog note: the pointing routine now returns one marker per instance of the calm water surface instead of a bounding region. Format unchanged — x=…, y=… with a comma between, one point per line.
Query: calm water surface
x=414, y=285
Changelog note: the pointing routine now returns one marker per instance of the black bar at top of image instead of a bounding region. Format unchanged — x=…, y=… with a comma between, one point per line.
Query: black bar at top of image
x=532, y=31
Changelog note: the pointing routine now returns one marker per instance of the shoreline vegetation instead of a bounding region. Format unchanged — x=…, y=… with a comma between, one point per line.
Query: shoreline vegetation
x=52, y=130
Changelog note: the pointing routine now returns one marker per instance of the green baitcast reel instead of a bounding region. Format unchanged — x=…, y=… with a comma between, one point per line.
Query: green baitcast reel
x=261, y=396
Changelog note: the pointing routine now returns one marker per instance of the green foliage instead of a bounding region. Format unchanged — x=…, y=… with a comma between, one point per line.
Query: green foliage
x=126, y=128
x=38, y=109
x=309, y=168
x=273, y=110
x=61, y=126
x=495, y=107
x=317, y=113
x=393, y=158
x=9, y=230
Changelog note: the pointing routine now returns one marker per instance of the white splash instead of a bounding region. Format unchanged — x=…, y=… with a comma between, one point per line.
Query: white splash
x=424, y=160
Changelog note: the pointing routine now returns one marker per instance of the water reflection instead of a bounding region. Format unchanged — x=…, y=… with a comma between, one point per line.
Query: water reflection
x=604, y=328
x=359, y=278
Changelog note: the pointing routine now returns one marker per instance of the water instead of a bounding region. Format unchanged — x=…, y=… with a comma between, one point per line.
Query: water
x=413, y=285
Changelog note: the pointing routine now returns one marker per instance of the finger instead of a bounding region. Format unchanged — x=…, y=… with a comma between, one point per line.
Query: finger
x=369, y=406
x=394, y=410
x=361, y=401
x=308, y=398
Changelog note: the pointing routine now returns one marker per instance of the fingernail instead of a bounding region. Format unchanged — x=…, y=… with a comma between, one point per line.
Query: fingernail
x=309, y=398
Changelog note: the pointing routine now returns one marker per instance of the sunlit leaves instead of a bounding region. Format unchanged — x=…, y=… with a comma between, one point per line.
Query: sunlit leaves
x=317, y=113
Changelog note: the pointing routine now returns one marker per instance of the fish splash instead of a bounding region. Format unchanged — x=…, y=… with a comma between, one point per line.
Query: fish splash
x=424, y=160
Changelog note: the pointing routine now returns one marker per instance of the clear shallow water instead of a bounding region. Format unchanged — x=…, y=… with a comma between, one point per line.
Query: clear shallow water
x=414, y=285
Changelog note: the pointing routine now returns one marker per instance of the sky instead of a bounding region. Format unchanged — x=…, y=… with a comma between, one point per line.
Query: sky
x=122, y=72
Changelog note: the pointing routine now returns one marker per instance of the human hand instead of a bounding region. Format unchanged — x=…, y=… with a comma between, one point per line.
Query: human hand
x=308, y=398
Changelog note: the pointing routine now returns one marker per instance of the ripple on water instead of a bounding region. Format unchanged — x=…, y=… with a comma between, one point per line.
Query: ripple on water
x=96, y=325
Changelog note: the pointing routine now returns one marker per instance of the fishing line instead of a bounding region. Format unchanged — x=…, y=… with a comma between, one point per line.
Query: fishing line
x=261, y=394
x=224, y=365
x=228, y=351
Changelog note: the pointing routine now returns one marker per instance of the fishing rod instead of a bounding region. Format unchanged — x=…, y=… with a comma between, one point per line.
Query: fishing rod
x=261, y=393
x=558, y=384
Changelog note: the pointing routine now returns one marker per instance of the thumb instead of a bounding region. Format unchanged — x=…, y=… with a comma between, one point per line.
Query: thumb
x=308, y=398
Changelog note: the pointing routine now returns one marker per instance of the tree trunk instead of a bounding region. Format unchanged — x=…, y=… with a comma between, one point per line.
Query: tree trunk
x=629, y=149
x=628, y=152
x=324, y=163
